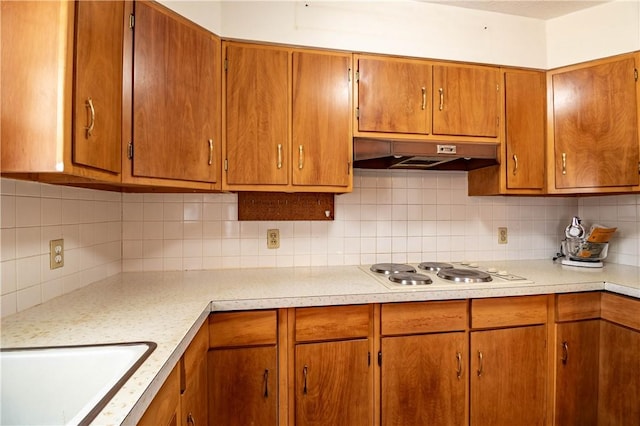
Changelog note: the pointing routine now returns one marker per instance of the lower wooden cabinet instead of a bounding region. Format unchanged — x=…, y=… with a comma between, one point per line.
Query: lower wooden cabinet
x=164, y=410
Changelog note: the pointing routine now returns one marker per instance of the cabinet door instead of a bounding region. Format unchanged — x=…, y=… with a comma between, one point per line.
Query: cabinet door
x=423, y=379
x=525, y=129
x=393, y=96
x=321, y=119
x=98, y=84
x=465, y=101
x=577, y=373
x=257, y=117
x=596, y=126
x=164, y=410
x=508, y=376
x=619, y=379
x=243, y=386
x=175, y=90
x=333, y=384
x=193, y=401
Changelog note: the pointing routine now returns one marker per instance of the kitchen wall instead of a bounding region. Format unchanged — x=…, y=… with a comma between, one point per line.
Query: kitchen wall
x=31, y=214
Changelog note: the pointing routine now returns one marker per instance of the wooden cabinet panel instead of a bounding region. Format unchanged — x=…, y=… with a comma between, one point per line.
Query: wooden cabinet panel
x=423, y=317
x=595, y=125
x=165, y=407
x=577, y=306
x=332, y=322
x=257, y=115
x=322, y=135
x=175, y=97
x=98, y=84
x=508, y=376
x=424, y=379
x=619, y=379
x=228, y=329
x=465, y=100
x=508, y=311
x=394, y=95
x=524, y=129
x=621, y=309
x=333, y=384
x=577, y=348
x=194, y=402
x=243, y=386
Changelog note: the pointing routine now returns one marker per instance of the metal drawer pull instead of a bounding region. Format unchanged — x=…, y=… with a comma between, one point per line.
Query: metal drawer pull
x=210, y=151
x=92, y=117
x=266, y=383
x=441, y=91
x=564, y=163
x=190, y=420
x=300, y=157
x=459, y=370
x=515, y=164
x=565, y=352
x=424, y=98
x=279, y=164
x=480, y=365
x=304, y=374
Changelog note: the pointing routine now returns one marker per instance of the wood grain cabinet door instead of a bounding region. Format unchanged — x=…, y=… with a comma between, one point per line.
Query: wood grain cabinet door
x=97, y=133
x=394, y=95
x=333, y=384
x=176, y=71
x=424, y=380
x=524, y=93
x=577, y=347
x=508, y=376
x=257, y=115
x=322, y=134
x=466, y=100
x=243, y=386
x=596, y=125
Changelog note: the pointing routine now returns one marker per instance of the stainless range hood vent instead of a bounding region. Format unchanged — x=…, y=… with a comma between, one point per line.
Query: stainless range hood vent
x=422, y=155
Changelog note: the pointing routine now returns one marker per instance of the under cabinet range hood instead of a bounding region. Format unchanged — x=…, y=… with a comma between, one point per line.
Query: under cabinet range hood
x=422, y=155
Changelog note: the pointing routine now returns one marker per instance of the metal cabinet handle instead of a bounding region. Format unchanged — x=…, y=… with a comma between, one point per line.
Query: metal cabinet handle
x=515, y=164
x=300, y=157
x=279, y=165
x=266, y=383
x=565, y=352
x=304, y=374
x=92, y=117
x=564, y=163
x=459, y=369
x=480, y=365
x=210, y=151
x=191, y=420
x=424, y=98
x=441, y=91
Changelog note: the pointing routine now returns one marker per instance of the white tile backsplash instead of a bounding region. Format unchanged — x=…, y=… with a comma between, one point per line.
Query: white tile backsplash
x=399, y=216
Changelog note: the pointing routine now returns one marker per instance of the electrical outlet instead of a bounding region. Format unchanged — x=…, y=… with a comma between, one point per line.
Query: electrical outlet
x=56, y=254
x=273, y=238
x=502, y=235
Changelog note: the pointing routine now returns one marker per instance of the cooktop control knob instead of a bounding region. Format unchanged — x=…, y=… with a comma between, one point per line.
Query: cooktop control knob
x=503, y=272
x=473, y=265
x=492, y=270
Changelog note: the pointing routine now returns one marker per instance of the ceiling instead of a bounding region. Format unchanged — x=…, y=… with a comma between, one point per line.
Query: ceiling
x=540, y=9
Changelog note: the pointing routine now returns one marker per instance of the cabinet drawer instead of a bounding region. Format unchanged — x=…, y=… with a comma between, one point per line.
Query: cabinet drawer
x=620, y=309
x=249, y=328
x=425, y=317
x=330, y=323
x=508, y=311
x=577, y=306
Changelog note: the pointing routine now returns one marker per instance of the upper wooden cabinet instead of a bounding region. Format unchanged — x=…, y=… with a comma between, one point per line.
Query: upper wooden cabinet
x=522, y=166
x=593, y=121
x=176, y=102
x=62, y=65
x=420, y=99
x=287, y=119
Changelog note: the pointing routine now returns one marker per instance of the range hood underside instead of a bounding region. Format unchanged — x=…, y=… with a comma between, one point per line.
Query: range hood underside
x=422, y=155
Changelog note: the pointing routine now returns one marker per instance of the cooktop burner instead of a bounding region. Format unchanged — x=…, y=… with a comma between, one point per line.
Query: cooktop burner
x=410, y=278
x=391, y=268
x=464, y=275
x=434, y=266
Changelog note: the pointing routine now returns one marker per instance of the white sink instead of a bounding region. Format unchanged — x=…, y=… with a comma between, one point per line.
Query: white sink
x=64, y=385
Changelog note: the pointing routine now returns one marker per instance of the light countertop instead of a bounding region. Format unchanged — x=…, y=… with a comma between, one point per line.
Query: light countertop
x=169, y=307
